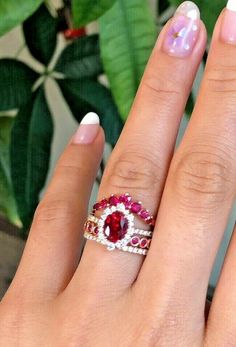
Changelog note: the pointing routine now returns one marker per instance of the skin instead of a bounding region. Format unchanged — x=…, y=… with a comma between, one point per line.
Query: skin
x=120, y=299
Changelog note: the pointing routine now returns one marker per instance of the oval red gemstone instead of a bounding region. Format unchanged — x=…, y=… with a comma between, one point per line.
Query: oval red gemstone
x=136, y=207
x=115, y=226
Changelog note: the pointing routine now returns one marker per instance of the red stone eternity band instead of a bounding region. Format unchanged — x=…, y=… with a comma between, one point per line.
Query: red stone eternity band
x=115, y=227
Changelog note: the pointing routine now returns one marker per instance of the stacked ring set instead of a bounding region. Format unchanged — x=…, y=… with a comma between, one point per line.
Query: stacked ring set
x=115, y=227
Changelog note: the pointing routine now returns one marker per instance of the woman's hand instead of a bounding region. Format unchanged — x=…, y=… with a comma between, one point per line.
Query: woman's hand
x=118, y=299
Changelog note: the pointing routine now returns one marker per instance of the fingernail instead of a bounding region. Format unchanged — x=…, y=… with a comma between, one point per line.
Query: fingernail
x=183, y=32
x=88, y=129
x=228, y=28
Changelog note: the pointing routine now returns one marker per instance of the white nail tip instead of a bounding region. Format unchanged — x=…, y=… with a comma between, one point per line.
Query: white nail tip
x=231, y=5
x=189, y=9
x=90, y=118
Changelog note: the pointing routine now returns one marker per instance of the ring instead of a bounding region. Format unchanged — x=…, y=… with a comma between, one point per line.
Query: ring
x=115, y=227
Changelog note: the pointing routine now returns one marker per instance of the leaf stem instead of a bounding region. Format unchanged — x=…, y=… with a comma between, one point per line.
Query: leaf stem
x=20, y=49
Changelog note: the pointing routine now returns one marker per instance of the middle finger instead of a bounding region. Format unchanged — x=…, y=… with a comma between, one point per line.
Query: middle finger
x=198, y=195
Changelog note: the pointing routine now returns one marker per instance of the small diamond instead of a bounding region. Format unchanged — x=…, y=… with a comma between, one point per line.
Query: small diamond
x=111, y=247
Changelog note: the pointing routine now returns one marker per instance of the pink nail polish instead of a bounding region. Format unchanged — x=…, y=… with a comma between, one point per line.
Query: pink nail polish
x=87, y=130
x=228, y=28
x=183, y=31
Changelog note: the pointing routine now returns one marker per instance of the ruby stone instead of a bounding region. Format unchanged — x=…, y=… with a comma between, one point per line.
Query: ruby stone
x=96, y=206
x=144, y=214
x=113, y=200
x=136, y=207
x=143, y=243
x=103, y=203
x=115, y=226
x=135, y=241
x=124, y=198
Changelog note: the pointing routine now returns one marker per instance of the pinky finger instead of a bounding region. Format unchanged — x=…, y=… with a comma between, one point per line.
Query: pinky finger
x=53, y=249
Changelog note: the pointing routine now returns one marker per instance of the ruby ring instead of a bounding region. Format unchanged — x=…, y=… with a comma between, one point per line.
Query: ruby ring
x=115, y=228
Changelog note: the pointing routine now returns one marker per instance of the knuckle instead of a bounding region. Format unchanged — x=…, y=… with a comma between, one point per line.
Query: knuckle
x=134, y=171
x=221, y=79
x=203, y=178
x=50, y=211
x=163, y=89
x=71, y=171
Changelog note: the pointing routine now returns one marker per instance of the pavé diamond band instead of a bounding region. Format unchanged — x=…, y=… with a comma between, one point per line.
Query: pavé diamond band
x=115, y=227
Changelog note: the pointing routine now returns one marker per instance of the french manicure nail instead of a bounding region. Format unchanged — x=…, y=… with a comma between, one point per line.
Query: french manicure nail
x=183, y=32
x=88, y=129
x=228, y=28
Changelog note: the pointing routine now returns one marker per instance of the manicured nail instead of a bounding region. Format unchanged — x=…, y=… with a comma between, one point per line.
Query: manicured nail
x=88, y=129
x=228, y=29
x=183, y=32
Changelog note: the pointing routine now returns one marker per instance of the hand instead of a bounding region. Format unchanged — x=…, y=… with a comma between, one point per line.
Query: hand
x=118, y=299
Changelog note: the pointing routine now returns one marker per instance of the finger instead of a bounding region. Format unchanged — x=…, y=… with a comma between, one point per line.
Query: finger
x=53, y=247
x=198, y=196
x=221, y=325
x=141, y=158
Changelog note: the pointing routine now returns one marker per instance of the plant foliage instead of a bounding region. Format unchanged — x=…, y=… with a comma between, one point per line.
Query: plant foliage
x=127, y=36
x=127, y=33
x=86, y=11
x=13, y=12
x=7, y=201
x=80, y=66
x=30, y=152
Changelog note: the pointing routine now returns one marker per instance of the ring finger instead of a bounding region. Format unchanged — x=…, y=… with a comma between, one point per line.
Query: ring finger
x=140, y=161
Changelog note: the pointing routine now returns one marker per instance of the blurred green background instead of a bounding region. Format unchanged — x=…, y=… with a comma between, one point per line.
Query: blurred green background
x=93, y=53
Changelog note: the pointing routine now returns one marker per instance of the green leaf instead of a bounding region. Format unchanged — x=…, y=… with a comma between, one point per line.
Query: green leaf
x=162, y=5
x=190, y=105
x=86, y=11
x=89, y=95
x=40, y=31
x=210, y=10
x=7, y=201
x=16, y=83
x=30, y=153
x=127, y=36
x=14, y=12
x=81, y=59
